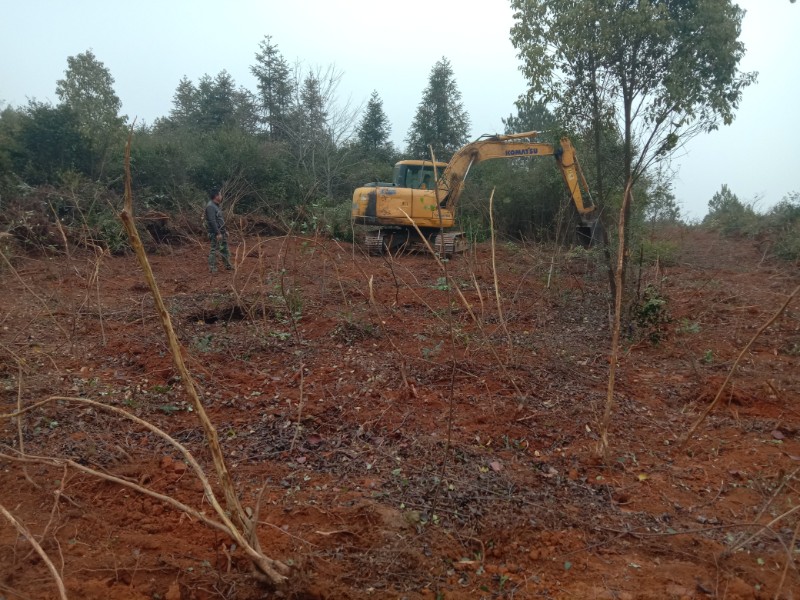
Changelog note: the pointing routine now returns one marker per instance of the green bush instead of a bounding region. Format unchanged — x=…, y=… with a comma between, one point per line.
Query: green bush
x=333, y=221
x=782, y=227
x=651, y=314
x=663, y=252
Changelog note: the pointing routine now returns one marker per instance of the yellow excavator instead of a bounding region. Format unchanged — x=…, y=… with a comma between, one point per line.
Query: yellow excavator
x=422, y=196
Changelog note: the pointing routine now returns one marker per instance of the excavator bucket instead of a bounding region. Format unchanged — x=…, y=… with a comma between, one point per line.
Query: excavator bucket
x=589, y=234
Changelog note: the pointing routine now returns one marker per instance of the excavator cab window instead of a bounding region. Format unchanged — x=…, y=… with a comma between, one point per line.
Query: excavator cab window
x=414, y=176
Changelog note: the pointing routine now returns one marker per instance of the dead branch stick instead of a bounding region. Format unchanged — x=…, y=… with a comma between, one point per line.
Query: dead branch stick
x=264, y=564
x=466, y=305
x=789, y=561
x=60, y=230
x=57, y=495
x=767, y=504
x=299, y=411
x=95, y=277
x=614, y=355
x=19, y=425
x=62, y=592
x=736, y=364
x=62, y=462
x=34, y=294
x=496, y=284
x=769, y=525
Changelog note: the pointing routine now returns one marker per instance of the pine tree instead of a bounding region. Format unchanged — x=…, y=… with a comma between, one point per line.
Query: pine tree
x=374, y=129
x=275, y=87
x=441, y=120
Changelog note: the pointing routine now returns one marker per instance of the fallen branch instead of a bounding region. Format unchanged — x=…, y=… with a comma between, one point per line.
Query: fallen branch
x=241, y=525
x=62, y=592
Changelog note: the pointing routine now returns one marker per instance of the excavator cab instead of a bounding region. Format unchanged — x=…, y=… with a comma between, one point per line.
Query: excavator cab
x=416, y=175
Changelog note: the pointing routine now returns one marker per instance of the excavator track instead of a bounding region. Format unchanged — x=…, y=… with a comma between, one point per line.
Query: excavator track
x=379, y=241
x=451, y=243
x=373, y=241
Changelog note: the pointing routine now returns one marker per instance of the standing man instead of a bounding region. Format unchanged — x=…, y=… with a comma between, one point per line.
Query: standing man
x=217, y=233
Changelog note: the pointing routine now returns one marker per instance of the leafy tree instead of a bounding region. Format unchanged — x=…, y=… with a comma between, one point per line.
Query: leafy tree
x=88, y=91
x=661, y=71
x=661, y=206
x=184, y=104
x=441, y=120
x=10, y=125
x=48, y=142
x=374, y=128
x=219, y=105
x=275, y=87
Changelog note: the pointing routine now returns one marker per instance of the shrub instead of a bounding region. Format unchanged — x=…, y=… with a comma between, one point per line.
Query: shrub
x=651, y=314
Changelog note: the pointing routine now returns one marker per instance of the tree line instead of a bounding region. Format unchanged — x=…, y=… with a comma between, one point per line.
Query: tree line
x=628, y=82
x=288, y=150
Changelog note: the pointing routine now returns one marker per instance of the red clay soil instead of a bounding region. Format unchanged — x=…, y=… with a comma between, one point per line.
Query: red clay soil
x=407, y=448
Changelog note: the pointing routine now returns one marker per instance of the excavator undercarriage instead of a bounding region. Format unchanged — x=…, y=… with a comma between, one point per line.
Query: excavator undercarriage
x=401, y=240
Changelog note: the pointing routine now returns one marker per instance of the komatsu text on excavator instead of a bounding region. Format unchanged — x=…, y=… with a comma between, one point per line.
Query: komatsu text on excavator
x=422, y=196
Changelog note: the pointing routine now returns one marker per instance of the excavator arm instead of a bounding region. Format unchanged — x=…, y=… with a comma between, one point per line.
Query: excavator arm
x=519, y=145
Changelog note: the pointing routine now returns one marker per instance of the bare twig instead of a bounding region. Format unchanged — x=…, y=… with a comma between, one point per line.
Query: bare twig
x=789, y=561
x=19, y=425
x=732, y=370
x=299, y=411
x=769, y=525
x=496, y=284
x=614, y=355
x=62, y=592
x=453, y=285
x=784, y=483
x=42, y=301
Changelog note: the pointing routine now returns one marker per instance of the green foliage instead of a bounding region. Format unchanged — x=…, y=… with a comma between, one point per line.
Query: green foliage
x=651, y=314
x=688, y=327
x=730, y=215
x=275, y=87
x=441, y=284
x=781, y=225
x=532, y=115
x=661, y=208
x=332, y=221
x=657, y=72
x=441, y=120
x=662, y=252
x=374, y=129
x=88, y=91
x=778, y=230
x=286, y=154
x=41, y=141
x=682, y=57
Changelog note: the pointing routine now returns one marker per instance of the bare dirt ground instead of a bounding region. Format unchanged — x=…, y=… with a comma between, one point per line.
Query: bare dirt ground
x=408, y=450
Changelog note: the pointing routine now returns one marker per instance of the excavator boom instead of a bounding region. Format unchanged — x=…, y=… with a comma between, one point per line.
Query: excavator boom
x=516, y=146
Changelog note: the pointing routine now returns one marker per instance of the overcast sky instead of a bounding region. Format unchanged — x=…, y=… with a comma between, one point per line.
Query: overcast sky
x=149, y=45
